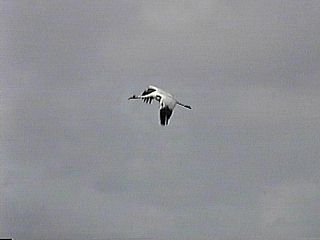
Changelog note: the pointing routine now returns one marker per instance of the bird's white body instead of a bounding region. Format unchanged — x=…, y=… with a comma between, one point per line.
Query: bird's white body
x=166, y=98
x=166, y=101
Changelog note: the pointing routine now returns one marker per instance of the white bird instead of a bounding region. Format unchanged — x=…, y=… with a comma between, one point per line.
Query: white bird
x=166, y=100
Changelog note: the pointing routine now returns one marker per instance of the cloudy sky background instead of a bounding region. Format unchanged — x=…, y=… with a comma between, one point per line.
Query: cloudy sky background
x=79, y=161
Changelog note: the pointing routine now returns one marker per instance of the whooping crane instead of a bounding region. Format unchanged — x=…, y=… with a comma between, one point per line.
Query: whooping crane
x=166, y=100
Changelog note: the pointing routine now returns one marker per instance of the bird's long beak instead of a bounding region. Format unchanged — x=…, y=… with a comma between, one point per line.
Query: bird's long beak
x=133, y=97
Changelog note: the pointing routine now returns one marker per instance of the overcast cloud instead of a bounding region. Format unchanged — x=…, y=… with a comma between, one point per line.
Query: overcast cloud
x=79, y=161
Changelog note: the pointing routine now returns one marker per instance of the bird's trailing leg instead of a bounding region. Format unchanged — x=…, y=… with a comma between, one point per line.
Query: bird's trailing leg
x=183, y=105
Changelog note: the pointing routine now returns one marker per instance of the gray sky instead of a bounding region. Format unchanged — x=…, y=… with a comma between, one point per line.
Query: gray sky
x=79, y=161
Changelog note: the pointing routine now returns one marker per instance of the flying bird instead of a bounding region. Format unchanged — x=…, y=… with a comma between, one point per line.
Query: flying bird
x=166, y=101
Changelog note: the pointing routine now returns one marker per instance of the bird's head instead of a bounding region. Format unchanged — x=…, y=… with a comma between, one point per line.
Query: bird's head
x=133, y=97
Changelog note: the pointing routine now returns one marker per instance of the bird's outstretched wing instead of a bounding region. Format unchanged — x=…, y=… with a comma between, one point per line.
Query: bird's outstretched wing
x=148, y=100
x=146, y=92
x=165, y=114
